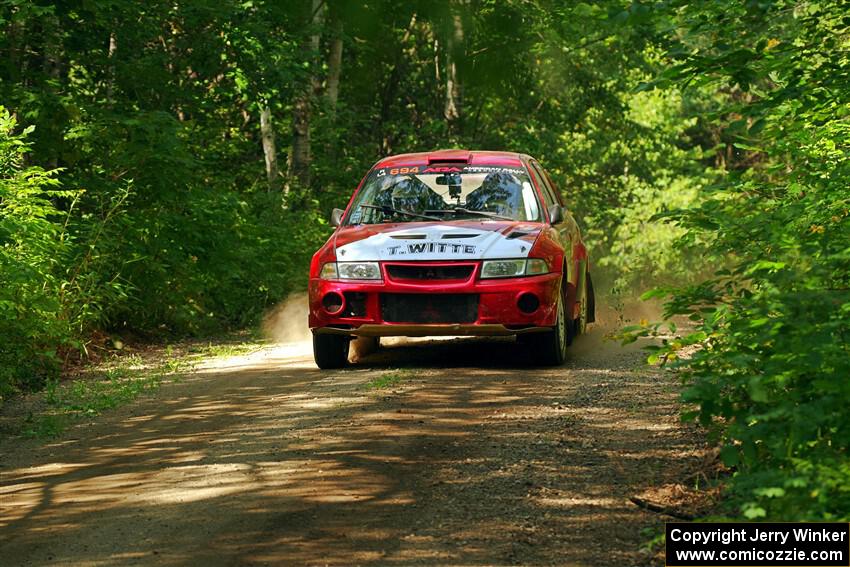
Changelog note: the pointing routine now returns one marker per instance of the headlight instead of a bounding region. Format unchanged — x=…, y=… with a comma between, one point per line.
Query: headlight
x=351, y=271
x=513, y=268
x=329, y=271
x=502, y=268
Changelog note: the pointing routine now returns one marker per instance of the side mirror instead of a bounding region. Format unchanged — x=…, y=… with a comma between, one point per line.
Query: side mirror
x=336, y=217
x=556, y=214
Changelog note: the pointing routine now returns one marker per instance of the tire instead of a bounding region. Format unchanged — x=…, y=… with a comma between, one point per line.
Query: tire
x=580, y=324
x=330, y=351
x=550, y=348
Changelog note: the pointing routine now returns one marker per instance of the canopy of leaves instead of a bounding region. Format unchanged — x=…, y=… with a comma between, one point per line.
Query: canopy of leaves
x=771, y=374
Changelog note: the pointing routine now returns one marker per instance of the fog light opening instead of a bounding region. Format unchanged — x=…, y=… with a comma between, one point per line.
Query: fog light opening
x=332, y=302
x=528, y=303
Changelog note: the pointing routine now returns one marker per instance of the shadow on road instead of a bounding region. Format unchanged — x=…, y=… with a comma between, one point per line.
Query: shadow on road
x=472, y=459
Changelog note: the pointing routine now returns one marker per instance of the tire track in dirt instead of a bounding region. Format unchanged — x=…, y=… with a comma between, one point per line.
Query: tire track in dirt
x=473, y=459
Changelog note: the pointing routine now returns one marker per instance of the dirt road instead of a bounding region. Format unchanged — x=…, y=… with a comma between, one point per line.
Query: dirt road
x=470, y=458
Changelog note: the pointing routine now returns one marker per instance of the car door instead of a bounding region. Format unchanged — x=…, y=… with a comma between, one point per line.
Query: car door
x=575, y=255
x=561, y=232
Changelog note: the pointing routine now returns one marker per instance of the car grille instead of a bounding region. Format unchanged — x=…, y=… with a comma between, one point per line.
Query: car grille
x=426, y=272
x=429, y=308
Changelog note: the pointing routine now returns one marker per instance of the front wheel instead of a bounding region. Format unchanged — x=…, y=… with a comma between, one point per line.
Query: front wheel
x=330, y=351
x=550, y=348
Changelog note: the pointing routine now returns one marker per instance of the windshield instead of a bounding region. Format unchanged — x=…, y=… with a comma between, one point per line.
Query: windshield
x=417, y=193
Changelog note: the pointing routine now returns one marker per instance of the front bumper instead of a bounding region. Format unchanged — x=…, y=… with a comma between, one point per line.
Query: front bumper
x=498, y=312
x=429, y=330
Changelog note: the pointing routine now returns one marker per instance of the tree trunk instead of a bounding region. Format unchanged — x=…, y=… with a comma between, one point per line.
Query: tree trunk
x=14, y=36
x=334, y=64
x=437, y=76
x=388, y=93
x=52, y=65
x=300, y=156
x=454, y=47
x=110, y=79
x=269, y=148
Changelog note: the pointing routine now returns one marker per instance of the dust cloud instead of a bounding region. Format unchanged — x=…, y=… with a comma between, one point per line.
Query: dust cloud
x=612, y=315
x=610, y=318
x=287, y=322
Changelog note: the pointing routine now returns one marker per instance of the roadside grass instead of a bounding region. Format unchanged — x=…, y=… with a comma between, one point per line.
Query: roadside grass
x=61, y=404
x=224, y=350
x=388, y=379
x=115, y=383
x=233, y=344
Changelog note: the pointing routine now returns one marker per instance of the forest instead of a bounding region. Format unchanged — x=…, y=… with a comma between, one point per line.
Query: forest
x=167, y=169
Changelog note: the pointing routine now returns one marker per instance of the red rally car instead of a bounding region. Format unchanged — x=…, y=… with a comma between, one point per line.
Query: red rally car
x=452, y=242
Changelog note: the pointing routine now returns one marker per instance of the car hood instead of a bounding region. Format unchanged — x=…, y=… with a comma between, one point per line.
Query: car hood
x=459, y=240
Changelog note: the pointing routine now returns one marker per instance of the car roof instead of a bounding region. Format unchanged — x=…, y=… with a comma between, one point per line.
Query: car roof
x=472, y=157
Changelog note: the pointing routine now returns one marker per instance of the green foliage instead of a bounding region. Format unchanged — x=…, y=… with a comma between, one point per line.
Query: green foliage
x=161, y=227
x=31, y=250
x=773, y=329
